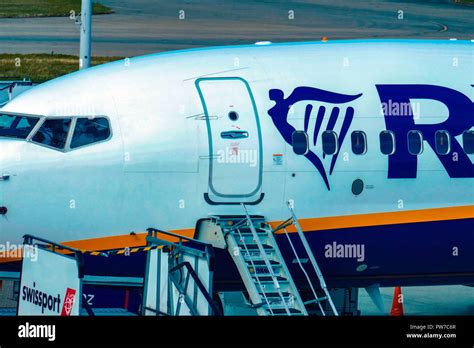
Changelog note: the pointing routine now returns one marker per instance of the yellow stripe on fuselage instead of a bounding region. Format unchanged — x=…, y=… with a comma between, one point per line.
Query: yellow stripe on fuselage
x=380, y=219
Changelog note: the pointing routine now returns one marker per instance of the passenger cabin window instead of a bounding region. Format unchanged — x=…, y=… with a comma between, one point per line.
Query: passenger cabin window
x=468, y=142
x=442, y=142
x=387, y=142
x=330, y=143
x=17, y=126
x=53, y=132
x=89, y=131
x=299, y=140
x=359, y=142
x=415, y=142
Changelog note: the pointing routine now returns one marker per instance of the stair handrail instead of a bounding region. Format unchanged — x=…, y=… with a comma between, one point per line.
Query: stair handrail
x=298, y=259
x=310, y=254
x=265, y=259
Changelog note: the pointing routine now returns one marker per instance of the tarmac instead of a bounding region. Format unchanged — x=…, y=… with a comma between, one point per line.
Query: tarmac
x=142, y=26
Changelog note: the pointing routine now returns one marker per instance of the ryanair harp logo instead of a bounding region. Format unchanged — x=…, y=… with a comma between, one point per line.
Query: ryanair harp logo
x=340, y=109
x=336, y=112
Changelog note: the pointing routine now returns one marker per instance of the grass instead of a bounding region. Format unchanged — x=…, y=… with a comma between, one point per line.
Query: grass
x=45, y=8
x=42, y=67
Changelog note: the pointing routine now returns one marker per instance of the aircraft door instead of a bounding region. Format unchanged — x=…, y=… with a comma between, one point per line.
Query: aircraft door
x=235, y=144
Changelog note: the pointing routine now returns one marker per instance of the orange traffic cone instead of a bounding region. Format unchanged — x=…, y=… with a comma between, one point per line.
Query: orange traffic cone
x=397, y=304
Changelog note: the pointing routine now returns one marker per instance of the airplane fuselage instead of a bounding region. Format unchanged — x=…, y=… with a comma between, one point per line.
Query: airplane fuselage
x=194, y=133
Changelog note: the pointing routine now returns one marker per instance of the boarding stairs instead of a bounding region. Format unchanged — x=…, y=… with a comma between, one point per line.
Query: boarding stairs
x=252, y=245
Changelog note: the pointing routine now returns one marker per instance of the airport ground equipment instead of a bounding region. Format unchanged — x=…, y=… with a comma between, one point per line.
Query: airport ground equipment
x=271, y=288
x=179, y=276
x=51, y=282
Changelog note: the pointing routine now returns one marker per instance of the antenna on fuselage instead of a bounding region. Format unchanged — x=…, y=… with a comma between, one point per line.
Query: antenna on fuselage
x=86, y=35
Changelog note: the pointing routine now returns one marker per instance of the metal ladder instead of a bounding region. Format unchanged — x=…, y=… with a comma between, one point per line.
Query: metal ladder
x=254, y=250
x=293, y=220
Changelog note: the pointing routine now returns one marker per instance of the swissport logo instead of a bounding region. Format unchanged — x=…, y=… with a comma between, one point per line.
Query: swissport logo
x=68, y=302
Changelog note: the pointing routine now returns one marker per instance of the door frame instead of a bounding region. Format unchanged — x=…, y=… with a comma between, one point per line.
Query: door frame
x=209, y=137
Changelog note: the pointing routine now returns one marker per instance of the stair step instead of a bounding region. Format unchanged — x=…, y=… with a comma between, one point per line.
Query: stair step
x=282, y=311
x=247, y=232
x=227, y=221
x=262, y=263
x=253, y=247
x=276, y=294
x=248, y=229
x=268, y=279
x=238, y=217
x=262, y=270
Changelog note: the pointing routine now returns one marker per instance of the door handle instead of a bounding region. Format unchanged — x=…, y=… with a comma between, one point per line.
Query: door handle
x=234, y=135
x=4, y=177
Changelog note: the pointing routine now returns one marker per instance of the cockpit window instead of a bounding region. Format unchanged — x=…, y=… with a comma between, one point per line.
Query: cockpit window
x=89, y=131
x=53, y=132
x=17, y=126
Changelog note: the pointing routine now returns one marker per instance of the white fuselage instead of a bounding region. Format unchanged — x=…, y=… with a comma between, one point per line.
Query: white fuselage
x=155, y=169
